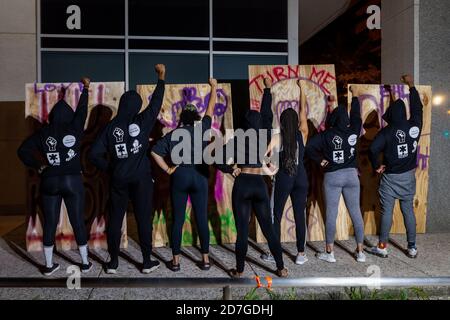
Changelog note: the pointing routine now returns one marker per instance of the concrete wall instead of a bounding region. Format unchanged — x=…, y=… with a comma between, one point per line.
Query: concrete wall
x=18, y=66
x=434, y=69
x=17, y=47
x=415, y=40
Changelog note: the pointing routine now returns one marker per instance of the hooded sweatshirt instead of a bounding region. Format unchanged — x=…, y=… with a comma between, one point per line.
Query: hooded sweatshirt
x=126, y=137
x=57, y=144
x=248, y=154
x=399, y=140
x=338, y=144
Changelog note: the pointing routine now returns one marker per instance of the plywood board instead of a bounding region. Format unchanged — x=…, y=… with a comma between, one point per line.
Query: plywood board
x=40, y=99
x=375, y=100
x=318, y=82
x=221, y=220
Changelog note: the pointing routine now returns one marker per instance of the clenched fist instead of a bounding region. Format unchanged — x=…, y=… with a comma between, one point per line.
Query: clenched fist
x=86, y=82
x=161, y=71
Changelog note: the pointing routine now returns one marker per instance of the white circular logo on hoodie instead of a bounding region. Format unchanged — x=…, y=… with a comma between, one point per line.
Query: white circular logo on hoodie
x=352, y=140
x=414, y=132
x=134, y=130
x=69, y=141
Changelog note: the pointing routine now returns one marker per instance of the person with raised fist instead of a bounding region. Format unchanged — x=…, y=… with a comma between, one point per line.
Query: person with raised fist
x=335, y=150
x=399, y=143
x=54, y=151
x=189, y=178
x=125, y=141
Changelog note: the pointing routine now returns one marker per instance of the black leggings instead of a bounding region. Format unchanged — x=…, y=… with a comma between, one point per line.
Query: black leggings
x=70, y=189
x=140, y=192
x=188, y=181
x=250, y=191
x=297, y=188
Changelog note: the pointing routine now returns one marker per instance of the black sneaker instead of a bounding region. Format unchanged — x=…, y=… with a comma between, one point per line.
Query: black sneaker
x=150, y=266
x=48, y=271
x=86, y=267
x=111, y=267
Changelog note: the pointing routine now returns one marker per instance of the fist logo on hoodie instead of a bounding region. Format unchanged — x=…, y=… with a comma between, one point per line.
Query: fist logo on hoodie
x=118, y=134
x=401, y=136
x=337, y=141
x=51, y=143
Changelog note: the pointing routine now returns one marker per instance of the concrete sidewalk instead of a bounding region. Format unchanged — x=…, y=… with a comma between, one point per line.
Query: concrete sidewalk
x=433, y=260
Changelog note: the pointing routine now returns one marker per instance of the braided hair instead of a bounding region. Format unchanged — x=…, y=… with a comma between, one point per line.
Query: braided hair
x=289, y=131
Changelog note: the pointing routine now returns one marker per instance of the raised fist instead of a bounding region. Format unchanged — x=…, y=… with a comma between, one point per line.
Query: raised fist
x=212, y=82
x=268, y=83
x=160, y=70
x=86, y=82
x=407, y=79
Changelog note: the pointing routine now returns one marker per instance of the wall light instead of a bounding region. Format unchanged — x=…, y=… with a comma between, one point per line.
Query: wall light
x=438, y=100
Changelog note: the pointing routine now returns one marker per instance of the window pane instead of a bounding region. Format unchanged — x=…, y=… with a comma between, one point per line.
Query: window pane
x=102, y=17
x=236, y=67
x=181, y=68
x=71, y=66
x=250, y=19
x=180, y=18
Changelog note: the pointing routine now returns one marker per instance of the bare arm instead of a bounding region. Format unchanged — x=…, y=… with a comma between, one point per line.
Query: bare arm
x=163, y=164
x=303, y=124
x=212, y=98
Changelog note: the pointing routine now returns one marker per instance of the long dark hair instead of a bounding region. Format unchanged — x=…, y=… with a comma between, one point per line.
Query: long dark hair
x=289, y=131
x=189, y=115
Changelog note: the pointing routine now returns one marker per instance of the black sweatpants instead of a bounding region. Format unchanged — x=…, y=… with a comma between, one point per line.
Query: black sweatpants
x=70, y=189
x=250, y=191
x=188, y=181
x=140, y=192
x=297, y=188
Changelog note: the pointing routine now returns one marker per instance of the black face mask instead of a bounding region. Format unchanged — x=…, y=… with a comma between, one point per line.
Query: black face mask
x=61, y=113
x=396, y=113
x=338, y=118
x=130, y=104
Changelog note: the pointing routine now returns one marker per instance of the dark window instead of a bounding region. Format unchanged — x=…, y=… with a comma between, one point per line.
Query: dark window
x=102, y=17
x=83, y=43
x=260, y=19
x=181, y=18
x=71, y=66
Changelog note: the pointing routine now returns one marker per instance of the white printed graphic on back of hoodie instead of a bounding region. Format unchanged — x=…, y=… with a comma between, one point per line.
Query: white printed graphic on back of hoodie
x=121, y=151
x=118, y=134
x=51, y=143
x=53, y=158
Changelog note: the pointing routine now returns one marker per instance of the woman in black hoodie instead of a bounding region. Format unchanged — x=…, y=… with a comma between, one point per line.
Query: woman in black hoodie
x=335, y=150
x=126, y=140
x=59, y=144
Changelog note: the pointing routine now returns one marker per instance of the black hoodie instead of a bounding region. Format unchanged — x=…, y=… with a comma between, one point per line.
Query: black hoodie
x=400, y=139
x=338, y=144
x=57, y=144
x=126, y=137
x=245, y=153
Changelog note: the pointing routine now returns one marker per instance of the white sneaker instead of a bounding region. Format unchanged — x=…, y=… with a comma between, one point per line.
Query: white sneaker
x=412, y=253
x=360, y=256
x=267, y=257
x=301, y=259
x=383, y=253
x=328, y=257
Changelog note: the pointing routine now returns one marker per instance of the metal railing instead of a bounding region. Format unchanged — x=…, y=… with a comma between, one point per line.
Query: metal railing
x=226, y=283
